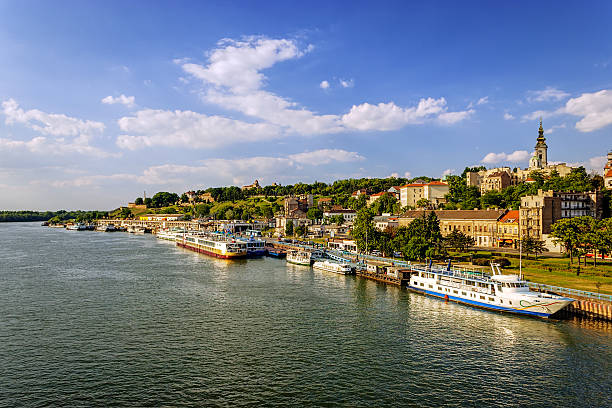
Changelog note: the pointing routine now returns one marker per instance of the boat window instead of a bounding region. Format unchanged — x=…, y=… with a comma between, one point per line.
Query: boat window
x=482, y=297
x=463, y=293
x=491, y=299
x=430, y=286
x=439, y=288
x=454, y=291
x=510, y=301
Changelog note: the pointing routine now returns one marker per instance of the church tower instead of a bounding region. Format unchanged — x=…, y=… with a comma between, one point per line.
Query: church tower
x=541, y=150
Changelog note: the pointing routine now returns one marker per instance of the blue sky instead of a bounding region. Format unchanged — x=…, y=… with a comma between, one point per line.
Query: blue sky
x=102, y=100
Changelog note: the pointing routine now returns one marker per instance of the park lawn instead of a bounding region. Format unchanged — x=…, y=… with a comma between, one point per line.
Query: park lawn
x=556, y=272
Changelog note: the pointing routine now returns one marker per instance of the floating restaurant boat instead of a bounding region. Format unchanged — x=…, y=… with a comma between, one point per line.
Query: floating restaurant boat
x=341, y=268
x=505, y=293
x=213, y=244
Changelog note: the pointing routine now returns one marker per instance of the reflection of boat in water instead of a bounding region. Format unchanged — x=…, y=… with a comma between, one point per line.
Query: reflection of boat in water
x=213, y=244
x=505, y=293
x=341, y=268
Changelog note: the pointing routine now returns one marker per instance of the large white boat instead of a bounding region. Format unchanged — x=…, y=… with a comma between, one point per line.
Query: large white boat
x=213, y=244
x=77, y=227
x=341, y=268
x=505, y=293
x=299, y=257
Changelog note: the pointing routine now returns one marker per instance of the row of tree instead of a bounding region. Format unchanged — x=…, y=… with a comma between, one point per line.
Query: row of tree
x=584, y=235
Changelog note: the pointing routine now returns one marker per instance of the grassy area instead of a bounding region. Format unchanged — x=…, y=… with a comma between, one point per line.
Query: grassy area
x=556, y=271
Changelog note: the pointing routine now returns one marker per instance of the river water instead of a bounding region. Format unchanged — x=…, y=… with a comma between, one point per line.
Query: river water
x=114, y=319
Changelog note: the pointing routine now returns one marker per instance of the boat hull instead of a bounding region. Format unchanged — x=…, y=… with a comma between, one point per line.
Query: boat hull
x=227, y=255
x=304, y=263
x=256, y=253
x=554, y=306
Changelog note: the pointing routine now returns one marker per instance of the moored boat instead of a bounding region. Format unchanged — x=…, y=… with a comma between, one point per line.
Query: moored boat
x=505, y=293
x=341, y=268
x=213, y=244
x=299, y=257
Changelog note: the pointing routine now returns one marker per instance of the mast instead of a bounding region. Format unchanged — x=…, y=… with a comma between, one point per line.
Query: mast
x=520, y=259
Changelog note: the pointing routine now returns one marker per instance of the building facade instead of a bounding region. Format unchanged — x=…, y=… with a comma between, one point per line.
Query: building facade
x=608, y=172
x=434, y=192
x=478, y=224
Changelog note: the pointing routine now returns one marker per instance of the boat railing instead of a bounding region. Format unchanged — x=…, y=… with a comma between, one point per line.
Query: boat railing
x=570, y=292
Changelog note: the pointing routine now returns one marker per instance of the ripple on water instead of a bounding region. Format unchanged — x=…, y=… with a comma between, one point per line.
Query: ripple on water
x=116, y=319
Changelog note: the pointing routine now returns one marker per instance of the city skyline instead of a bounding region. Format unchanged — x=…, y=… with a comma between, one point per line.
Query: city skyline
x=100, y=102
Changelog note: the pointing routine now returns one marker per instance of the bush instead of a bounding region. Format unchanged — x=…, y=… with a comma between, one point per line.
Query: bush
x=481, y=261
x=503, y=262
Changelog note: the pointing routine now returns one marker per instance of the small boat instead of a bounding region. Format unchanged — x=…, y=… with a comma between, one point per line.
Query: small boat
x=106, y=228
x=255, y=247
x=299, y=257
x=77, y=227
x=341, y=268
x=135, y=229
x=275, y=252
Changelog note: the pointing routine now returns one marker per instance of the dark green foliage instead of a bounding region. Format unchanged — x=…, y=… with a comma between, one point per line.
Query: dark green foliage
x=56, y=216
x=458, y=241
x=387, y=203
x=314, y=213
x=164, y=199
x=139, y=201
x=289, y=228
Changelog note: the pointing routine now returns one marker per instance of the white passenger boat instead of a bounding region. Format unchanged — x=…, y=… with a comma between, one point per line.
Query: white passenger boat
x=341, y=268
x=299, y=257
x=505, y=293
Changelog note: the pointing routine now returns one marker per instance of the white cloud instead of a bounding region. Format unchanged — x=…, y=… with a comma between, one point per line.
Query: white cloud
x=237, y=64
x=448, y=172
x=393, y=175
x=595, y=164
x=233, y=80
x=553, y=128
x=389, y=116
x=541, y=114
x=222, y=171
x=55, y=147
x=324, y=85
x=188, y=129
x=483, y=101
x=48, y=123
x=548, y=94
x=508, y=116
x=514, y=157
x=595, y=109
x=450, y=118
x=347, y=83
x=121, y=99
x=325, y=156
x=407, y=174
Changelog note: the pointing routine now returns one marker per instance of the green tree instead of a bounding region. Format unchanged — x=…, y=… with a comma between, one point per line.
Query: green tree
x=301, y=231
x=423, y=203
x=289, y=228
x=184, y=198
x=139, y=201
x=266, y=211
x=532, y=245
x=314, y=213
x=125, y=212
x=387, y=203
x=568, y=232
x=364, y=232
x=459, y=241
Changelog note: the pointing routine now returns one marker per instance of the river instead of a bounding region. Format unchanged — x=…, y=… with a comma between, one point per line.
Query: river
x=114, y=319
